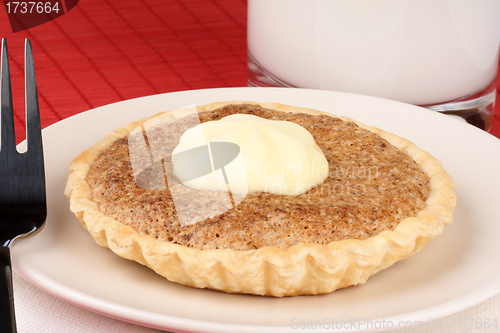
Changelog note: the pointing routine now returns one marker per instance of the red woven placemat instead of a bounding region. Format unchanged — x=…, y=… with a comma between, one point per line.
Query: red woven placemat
x=104, y=51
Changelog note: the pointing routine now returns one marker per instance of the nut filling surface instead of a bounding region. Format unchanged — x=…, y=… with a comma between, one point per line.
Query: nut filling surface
x=371, y=187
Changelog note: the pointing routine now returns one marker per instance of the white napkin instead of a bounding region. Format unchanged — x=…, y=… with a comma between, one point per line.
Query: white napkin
x=40, y=312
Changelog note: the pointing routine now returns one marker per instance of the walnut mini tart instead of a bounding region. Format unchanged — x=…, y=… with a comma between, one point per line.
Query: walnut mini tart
x=264, y=199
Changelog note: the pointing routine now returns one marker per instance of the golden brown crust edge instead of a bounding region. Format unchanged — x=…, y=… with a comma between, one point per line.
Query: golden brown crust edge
x=299, y=270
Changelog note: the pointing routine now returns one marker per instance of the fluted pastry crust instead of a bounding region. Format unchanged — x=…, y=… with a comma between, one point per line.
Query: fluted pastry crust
x=300, y=269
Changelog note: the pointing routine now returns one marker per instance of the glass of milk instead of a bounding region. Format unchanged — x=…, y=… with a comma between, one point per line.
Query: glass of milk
x=441, y=54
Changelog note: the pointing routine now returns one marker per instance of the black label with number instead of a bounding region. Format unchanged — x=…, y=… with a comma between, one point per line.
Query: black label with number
x=28, y=14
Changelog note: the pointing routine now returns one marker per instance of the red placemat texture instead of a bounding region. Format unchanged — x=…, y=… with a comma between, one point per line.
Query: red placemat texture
x=105, y=51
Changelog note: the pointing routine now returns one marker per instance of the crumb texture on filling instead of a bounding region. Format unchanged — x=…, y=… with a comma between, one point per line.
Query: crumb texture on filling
x=371, y=187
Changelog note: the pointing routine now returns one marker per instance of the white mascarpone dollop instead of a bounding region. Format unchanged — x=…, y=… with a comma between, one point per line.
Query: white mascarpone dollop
x=249, y=154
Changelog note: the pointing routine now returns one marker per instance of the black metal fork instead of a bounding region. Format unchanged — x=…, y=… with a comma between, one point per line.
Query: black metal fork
x=23, y=207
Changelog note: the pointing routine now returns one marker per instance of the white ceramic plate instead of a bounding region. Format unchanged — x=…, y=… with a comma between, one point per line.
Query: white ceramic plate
x=454, y=271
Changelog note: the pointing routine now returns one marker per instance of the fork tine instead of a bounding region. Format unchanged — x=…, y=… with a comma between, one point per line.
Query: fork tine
x=33, y=127
x=8, y=137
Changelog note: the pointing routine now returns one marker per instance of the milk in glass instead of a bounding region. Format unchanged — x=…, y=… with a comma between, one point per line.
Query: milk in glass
x=416, y=51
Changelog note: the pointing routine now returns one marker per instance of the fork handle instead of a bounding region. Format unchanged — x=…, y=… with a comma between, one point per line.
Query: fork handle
x=7, y=317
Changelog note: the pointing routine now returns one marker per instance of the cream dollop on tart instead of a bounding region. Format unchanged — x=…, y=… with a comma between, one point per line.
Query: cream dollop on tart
x=278, y=157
